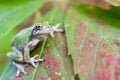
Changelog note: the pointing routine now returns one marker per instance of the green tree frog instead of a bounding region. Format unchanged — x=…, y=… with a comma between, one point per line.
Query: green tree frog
x=25, y=41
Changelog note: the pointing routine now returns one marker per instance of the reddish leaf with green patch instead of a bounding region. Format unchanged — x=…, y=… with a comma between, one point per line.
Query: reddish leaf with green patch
x=92, y=43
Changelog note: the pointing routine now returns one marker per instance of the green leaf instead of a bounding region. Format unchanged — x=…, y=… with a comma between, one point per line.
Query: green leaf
x=10, y=69
x=114, y=2
x=57, y=65
x=93, y=42
x=13, y=14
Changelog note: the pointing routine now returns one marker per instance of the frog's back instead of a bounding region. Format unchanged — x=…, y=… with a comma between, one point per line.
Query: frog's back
x=22, y=37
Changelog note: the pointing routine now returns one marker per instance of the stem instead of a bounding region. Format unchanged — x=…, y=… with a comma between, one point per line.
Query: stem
x=43, y=45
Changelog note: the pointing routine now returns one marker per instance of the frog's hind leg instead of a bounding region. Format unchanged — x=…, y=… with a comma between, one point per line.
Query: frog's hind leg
x=20, y=68
x=27, y=57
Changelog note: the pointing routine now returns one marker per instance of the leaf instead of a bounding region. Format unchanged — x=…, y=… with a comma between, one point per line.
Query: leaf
x=93, y=42
x=58, y=64
x=114, y=2
x=99, y=3
x=10, y=69
x=13, y=14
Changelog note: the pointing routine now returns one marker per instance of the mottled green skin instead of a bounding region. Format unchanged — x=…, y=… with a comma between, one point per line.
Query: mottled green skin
x=21, y=39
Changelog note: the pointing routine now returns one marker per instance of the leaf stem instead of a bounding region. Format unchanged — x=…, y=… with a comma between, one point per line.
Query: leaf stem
x=43, y=45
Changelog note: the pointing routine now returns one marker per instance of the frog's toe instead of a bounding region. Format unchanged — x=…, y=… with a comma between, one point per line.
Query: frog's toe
x=57, y=25
x=39, y=60
x=56, y=28
x=18, y=72
x=52, y=34
x=59, y=30
x=35, y=56
x=33, y=64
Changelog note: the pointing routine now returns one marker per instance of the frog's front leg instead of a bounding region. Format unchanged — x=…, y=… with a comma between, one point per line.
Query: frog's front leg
x=27, y=58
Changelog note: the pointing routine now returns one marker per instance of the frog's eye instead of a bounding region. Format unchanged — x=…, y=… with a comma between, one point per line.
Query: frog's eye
x=39, y=27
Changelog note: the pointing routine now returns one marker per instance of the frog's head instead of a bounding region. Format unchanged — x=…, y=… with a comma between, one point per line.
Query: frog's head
x=40, y=29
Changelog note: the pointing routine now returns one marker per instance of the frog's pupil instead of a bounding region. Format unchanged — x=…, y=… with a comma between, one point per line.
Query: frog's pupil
x=38, y=27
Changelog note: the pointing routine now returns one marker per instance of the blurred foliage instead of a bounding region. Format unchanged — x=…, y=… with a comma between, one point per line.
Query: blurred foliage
x=114, y=2
x=17, y=11
x=88, y=50
x=91, y=33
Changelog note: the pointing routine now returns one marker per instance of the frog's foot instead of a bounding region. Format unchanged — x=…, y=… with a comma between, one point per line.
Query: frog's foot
x=55, y=29
x=32, y=60
x=20, y=68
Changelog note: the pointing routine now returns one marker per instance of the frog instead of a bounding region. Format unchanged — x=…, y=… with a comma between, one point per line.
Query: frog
x=25, y=41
